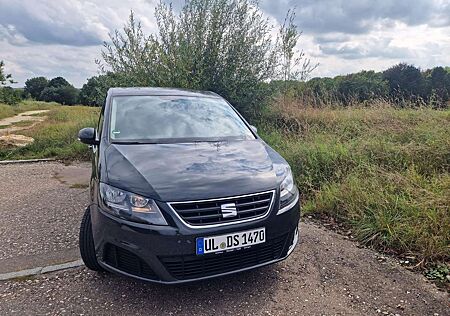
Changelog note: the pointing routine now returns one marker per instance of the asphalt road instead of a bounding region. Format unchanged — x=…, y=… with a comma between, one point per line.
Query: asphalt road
x=327, y=274
x=41, y=206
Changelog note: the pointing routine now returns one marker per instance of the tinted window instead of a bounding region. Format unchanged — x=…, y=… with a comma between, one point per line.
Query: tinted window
x=174, y=118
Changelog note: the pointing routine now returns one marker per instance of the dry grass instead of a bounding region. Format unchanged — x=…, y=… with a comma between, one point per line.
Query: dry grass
x=383, y=172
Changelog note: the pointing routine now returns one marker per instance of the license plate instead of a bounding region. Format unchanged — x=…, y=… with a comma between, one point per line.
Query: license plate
x=230, y=241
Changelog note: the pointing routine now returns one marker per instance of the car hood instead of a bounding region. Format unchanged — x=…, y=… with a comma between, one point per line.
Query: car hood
x=191, y=171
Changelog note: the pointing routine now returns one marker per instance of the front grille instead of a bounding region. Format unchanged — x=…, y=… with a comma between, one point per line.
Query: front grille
x=191, y=267
x=199, y=213
x=127, y=261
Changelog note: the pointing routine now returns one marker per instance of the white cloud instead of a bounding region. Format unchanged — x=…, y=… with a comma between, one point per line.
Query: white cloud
x=64, y=37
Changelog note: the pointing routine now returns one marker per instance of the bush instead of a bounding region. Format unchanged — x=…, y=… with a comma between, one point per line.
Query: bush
x=225, y=46
x=10, y=95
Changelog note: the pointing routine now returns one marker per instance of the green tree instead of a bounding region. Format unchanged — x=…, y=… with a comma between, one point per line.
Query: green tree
x=61, y=91
x=8, y=95
x=58, y=82
x=93, y=92
x=405, y=81
x=221, y=45
x=5, y=78
x=34, y=86
x=362, y=86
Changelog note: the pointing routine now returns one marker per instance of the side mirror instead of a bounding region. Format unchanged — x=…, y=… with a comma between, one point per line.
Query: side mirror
x=87, y=136
x=254, y=129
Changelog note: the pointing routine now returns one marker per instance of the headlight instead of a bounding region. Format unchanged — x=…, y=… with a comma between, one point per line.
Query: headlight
x=288, y=191
x=131, y=206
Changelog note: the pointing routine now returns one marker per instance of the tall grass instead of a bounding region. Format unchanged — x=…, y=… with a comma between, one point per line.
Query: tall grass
x=57, y=135
x=383, y=172
x=28, y=105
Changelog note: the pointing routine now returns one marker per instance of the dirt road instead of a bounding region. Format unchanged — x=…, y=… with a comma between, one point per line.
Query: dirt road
x=10, y=125
x=41, y=207
x=28, y=116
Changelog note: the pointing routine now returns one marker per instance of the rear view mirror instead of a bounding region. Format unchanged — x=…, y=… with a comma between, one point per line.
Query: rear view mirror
x=254, y=129
x=87, y=136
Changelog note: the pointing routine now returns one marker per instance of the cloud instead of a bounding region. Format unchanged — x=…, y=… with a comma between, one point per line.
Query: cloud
x=68, y=22
x=358, y=16
x=73, y=63
x=64, y=37
x=369, y=47
x=52, y=22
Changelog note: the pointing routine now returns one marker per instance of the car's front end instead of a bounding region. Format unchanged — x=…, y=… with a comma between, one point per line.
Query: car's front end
x=169, y=253
x=185, y=210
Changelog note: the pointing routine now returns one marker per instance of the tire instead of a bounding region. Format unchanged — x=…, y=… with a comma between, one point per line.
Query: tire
x=87, y=248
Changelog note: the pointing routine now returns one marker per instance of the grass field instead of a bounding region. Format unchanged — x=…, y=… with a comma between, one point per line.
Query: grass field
x=56, y=136
x=383, y=173
x=8, y=110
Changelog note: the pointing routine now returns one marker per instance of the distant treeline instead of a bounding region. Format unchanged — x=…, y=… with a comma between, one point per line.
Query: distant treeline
x=402, y=85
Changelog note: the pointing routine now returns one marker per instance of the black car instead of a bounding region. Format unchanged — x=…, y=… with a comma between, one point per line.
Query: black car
x=183, y=189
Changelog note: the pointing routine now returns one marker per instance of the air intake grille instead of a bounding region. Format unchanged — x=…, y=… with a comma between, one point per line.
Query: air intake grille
x=200, y=213
x=190, y=267
x=127, y=261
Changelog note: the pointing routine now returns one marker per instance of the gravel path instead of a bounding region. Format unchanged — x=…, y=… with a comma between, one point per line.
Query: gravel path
x=326, y=275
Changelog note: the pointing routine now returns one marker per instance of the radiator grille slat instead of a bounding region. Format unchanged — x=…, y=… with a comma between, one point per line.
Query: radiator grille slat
x=199, y=213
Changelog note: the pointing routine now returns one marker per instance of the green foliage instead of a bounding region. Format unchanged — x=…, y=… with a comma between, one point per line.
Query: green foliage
x=58, y=82
x=362, y=86
x=93, y=93
x=225, y=46
x=34, y=86
x=56, y=90
x=4, y=78
x=60, y=91
x=405, y=81
x=10, y=95
x=439, y=272
x=402, y=85
x=439, y=86
x=383, y=172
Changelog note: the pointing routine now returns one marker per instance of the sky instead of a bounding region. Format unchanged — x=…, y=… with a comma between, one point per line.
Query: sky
x=64, y=37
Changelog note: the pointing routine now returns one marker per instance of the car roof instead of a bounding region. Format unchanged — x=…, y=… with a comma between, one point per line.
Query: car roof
x=161, y=91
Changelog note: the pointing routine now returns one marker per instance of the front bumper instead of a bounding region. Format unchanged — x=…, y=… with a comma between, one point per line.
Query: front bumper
x=166, y=254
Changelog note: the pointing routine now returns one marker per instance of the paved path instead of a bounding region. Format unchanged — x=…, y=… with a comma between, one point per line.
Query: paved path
x=326, y=275
x=40, y=209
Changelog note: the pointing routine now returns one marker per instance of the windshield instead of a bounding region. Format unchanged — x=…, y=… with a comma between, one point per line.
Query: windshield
x=160, y=119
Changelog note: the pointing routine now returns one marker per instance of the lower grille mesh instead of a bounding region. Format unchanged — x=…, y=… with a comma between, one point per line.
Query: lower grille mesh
x=127, y=261
x=190, y=267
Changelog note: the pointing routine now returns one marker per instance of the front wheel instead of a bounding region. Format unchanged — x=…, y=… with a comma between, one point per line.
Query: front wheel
x=87, y=248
